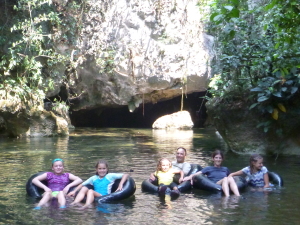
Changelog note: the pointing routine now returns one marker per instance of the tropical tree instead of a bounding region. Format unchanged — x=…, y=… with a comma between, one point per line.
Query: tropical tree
x=257, y=51
x=30, y=61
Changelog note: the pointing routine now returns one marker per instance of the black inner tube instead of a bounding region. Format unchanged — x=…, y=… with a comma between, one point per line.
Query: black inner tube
x=275, y=179
x=200, y=181
x=152, y=186
x=128, y=190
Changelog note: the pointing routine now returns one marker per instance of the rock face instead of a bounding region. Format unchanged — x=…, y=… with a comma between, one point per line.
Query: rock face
x=238, y=127
x=123, y=52
x=179, y=120
x=138, y=51
x=17, y=121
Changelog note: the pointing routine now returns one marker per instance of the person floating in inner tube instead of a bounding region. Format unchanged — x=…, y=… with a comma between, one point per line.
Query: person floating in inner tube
x=256, y=172
x=180, y=163
x=218, y=174
x=102, y=183
x=165, y=175
x=58, y=184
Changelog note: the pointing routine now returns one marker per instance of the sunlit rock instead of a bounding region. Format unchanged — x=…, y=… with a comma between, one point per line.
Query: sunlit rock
x=122, y=53
x=131, y=52
x=179, y=120
x=47, y=124
x=17, y=121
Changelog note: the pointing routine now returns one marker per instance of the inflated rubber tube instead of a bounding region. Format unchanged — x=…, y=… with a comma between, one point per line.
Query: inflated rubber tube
x=240, y=182
x=194, y=169
x=35, y=191
x=31, y=189
x=202, y=182
x=152, y=186
x=127, y=191
x=186, y=185
x=275, y=179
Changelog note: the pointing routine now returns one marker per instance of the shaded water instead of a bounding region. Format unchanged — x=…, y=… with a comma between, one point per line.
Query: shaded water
x=139, y=150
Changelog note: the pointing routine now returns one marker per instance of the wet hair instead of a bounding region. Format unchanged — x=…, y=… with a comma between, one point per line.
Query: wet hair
x=182, y=149
x=253, y=159
x=159, y=168
x=217, y=152
x=56, y=160
x=101, y=161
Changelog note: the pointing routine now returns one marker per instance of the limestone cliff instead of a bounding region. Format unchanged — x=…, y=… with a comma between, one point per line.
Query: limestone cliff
x=122, y=52
x=136, y=50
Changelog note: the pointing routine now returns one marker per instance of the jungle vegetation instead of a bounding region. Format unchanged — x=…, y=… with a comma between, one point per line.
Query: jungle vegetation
x=30, y=61
x=257, y=52
x=257, y=56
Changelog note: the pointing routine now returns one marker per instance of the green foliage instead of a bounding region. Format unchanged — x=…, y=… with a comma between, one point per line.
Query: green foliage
x=59, y=106
x=257, y=49
x=286, y=19
x=29, y=59
x=106, y=60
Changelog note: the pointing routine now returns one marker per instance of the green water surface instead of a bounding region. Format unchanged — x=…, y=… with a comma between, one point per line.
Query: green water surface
x=139, y=150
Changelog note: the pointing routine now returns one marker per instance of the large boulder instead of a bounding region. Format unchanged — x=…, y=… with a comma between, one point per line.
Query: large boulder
x=136, y=51
x=122, y=53
x=17, y=121
x=178, y=120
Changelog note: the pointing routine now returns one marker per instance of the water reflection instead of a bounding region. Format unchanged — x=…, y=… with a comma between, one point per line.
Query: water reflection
x=139, y=150
x=177, y=137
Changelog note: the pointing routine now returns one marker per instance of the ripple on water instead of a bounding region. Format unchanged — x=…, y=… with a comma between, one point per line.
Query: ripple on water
x=139, y=150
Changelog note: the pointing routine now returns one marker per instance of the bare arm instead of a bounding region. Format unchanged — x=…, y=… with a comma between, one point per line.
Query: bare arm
x=72, y=193
x=237, y=173
x=152, y=177
x=37, y=181
x=76, y=181
x=266, y=180
x=181, y=176
x=191, y=176
x=124, y=178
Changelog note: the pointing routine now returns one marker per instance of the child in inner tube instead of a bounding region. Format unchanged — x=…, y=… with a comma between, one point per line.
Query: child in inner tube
x=58, y=184
x=101, y=182
x=256, y=172
x=165, y=175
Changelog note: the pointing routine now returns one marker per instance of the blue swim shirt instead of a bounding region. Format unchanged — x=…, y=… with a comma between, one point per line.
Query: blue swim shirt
x=103, y=185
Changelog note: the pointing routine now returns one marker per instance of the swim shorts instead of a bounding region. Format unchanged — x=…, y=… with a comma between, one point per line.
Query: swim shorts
x=55, y=193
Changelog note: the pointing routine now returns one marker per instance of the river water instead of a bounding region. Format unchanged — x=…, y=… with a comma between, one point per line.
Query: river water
x=139, y=150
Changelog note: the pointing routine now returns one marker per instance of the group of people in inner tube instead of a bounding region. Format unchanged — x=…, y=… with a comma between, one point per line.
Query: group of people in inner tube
x=59, y=183
x=256, y=172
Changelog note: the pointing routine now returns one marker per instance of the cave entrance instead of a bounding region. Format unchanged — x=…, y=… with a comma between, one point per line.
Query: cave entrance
x=142, y=117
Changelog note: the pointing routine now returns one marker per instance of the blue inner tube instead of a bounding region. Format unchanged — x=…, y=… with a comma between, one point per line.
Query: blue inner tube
x=152, y=186
x=200, y=181
x=275, y=179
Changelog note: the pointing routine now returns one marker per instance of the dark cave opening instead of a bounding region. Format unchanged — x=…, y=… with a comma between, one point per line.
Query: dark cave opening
x=142, y=117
